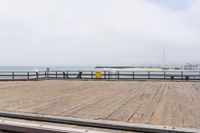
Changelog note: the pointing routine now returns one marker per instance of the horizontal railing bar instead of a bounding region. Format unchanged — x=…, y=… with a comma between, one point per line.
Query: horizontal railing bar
x=105, y=75
x=17, y=75
x=99, y=70
x=20, y=71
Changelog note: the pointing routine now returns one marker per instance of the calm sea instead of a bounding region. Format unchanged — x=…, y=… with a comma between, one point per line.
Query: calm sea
x=44, y=68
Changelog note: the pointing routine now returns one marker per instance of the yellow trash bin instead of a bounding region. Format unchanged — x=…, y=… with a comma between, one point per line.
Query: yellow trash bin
x=98, y=74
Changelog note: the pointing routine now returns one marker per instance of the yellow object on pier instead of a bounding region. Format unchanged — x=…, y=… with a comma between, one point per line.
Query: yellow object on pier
x=98, y=74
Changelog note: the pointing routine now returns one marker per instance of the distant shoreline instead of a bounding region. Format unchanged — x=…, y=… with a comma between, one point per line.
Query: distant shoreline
x=121, y=67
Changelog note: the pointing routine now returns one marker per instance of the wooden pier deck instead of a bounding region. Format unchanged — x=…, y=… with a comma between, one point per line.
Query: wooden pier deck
x=146, y=102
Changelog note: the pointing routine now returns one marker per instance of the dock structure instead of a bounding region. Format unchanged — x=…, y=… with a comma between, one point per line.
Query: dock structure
x=147, y=106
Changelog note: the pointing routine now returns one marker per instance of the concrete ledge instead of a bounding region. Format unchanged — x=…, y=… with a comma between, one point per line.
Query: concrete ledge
x=99, y=123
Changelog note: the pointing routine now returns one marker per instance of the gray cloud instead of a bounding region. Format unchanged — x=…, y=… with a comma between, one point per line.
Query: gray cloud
x=66, y=32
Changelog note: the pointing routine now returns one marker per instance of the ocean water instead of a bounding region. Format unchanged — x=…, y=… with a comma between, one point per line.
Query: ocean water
x=21, y=72
x=44, y=68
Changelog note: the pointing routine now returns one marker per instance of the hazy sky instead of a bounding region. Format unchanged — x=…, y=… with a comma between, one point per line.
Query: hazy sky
x=98, y=32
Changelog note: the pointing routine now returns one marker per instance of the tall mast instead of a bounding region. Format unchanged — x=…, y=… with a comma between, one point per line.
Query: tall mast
x=164, y=58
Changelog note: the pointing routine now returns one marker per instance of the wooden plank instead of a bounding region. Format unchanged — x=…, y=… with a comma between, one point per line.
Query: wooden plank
x=188, y=117
x=177, y=118
x=158, y=112
x=151, y=102
x=63, y=101
x=144, y=104
x=112, y=91
x=104, y=108
x=149, y=112
x=196, y=95
x=125, y=112
x=42, y=95
x=87, y=96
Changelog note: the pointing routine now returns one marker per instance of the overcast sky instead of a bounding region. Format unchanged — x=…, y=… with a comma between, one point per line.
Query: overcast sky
x=99, y=32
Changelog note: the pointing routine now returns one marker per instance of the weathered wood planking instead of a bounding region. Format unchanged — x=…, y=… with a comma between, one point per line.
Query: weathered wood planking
x=145, y=102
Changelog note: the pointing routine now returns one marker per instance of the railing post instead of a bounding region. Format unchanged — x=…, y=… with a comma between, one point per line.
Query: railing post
x=28, y=75
x=118, y=74
x=67, y=75
x=181, y=75
x=91, y=74
x=13, y=75
x=37, y=75
x=104, y=74
x=63, y=75
x=47, y=72
x=164, y=75
x=133, y=75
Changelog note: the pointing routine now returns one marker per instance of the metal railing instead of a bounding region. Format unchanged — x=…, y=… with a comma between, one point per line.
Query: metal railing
x=131, y=75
